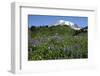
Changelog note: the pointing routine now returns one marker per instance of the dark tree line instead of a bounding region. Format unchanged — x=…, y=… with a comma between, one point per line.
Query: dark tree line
x=81, y=30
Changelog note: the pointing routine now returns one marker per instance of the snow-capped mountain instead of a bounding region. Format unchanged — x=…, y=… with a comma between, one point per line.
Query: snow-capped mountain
x=68, y=23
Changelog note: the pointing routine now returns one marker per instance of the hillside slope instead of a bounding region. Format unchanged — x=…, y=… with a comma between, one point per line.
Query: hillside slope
x=56, y=42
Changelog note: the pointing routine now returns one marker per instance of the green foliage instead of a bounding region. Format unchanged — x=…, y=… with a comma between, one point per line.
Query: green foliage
x=57, y=42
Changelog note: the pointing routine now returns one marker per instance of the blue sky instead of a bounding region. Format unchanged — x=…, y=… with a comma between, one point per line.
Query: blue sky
x=38, y=20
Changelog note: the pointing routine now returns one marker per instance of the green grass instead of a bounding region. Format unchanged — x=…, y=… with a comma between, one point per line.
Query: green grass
x=56, y=42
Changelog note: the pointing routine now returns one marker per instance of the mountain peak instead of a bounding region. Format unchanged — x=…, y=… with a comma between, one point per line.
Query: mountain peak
x=61, y=22
x=65, y=22
x=68, y=23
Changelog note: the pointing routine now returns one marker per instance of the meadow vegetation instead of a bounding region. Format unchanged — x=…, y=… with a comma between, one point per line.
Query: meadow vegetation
x=56, y=42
